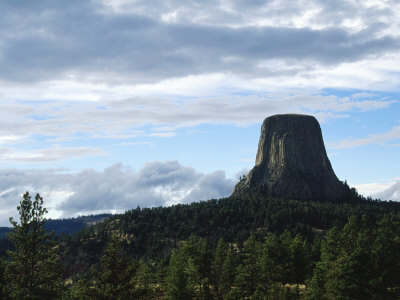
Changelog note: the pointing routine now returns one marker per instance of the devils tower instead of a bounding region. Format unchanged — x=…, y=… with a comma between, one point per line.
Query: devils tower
x=292, y=163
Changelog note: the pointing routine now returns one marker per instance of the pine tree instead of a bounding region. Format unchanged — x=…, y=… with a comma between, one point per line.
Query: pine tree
x=220, y=256
x=113, y=279
x=181, y=276
x=3, y=281
x=248, y=272
x=228, y=272
x=33, y=270
x=161, y=275
x=143, y=281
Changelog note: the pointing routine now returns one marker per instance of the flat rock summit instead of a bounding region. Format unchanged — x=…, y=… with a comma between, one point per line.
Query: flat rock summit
x=292, y=162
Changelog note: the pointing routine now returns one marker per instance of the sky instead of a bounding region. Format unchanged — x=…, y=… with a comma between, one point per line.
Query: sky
x=112, y=104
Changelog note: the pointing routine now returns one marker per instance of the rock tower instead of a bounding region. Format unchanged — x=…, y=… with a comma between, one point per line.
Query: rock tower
x=292, y=162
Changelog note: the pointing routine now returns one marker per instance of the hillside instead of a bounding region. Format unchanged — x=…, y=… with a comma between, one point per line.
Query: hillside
x=153, y=232
x=240, y=247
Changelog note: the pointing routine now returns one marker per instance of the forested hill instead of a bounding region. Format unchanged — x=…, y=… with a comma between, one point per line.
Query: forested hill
x=65, y=225
x=153, y=232
x=243, y=247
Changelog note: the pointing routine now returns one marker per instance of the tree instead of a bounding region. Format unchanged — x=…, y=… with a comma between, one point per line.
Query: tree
x=3, y=281
x=33, y=270
x=81, y=290
x=113, y=279
x=248, y=273
x=189, y=270
x=361, y=261
x=228, y=268
x=181, y=276
x=161, y=275
x=299, y=256
x=220, y=256
x=143, y=281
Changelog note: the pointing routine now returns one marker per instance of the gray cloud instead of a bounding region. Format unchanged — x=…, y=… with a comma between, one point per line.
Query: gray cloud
x=84, y=39
x=212, y=186
x=115, y=188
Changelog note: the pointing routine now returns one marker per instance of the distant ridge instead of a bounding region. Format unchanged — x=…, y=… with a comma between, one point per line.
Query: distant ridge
x=292, y=162
x=66, y=225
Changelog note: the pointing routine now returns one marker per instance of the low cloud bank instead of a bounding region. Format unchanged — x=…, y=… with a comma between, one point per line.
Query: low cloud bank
x=116, y=188
x=391, y=193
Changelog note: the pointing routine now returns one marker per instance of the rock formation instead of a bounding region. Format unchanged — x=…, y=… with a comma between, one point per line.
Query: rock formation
x=292, y=163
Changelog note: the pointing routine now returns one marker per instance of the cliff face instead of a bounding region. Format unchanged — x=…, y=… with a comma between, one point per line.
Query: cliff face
x=292, y=162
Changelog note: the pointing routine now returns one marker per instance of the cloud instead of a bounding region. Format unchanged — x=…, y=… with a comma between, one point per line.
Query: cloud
x=47, y=154
x=79, y=70
x=63, y=121
x=378, y=138
x=209, y=187
x=13, y=183
x=238, y=13
x=372, y=189
x=391, y=193
x=85, y=40
x=117, y=188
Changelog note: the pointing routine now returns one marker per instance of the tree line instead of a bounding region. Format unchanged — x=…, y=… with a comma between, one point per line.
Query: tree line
x=359, y=260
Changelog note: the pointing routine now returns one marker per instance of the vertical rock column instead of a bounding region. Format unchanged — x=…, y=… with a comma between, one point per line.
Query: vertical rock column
x=292, y=162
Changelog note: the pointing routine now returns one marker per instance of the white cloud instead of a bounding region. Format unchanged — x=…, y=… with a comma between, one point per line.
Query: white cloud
x=390, y=193
x=59, y=121
x=116, y=188
x=379, y=138
x=47, y=154
x=370, y=189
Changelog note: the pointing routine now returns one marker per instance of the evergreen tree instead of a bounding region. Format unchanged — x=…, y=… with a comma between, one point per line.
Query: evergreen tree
x=316, y=284
x=81, y=290
x=300, y=258
x=33, y=270
x=3, y=281
x=228, y=272
x=143, y=280
x=189, y=270
x=220, y=256
x=113, y=278
x=361, y=261
x=161, y=275
x=386, y=253
x=271, y=261
x=248, y=273
x=181, y=277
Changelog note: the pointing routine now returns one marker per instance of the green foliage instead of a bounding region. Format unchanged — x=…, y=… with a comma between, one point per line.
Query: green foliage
x=356, y=261
x=143, y=282
x=33, y=271
x=113, y=278
x=248, y=273
x=189, y=269
x=81, y=290
x=250, y=247
x=223, y=269
x=234, y=294
x=153, y=231
x=161, y=275
x=3, y=280
x=181, y=276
